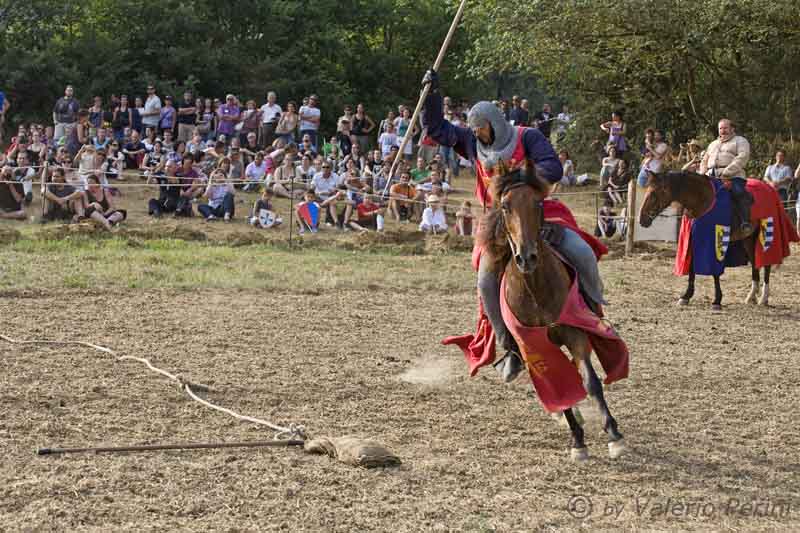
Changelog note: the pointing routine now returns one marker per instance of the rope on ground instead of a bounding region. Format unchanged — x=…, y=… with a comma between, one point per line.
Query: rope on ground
x=294, y=431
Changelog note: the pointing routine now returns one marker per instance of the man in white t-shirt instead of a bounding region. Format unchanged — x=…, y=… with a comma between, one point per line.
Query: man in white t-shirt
x=255, y=172
x=310, y=116
x=325, y=185
x=270, y=114
x=152, y=109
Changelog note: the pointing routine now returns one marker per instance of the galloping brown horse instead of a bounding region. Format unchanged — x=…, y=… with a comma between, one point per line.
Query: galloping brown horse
x=694, y=193
x=537, y=285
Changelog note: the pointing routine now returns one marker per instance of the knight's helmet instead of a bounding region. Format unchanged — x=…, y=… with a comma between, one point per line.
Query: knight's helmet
x=505, y=135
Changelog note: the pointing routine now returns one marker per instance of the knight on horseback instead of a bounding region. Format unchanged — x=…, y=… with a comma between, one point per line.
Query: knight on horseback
x=489, y=142
x=725, y=160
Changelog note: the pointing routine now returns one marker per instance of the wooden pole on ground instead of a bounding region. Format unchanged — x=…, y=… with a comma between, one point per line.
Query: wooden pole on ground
x=183, y=446
x=629, y=236
x=424, y=94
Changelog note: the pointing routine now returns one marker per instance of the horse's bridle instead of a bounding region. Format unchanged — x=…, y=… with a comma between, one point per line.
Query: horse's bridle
x=505, y=222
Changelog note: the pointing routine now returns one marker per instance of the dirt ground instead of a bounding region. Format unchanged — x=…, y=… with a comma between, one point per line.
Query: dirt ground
x=708, y=413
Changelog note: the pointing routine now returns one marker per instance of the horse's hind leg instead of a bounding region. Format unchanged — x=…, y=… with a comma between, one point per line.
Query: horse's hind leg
x=717, y=304
x=754, y=276
x=764, y=299
x=687, y=296
x=616, y=444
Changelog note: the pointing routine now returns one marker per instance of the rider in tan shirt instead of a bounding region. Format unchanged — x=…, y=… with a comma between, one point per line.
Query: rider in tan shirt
x=725, y=159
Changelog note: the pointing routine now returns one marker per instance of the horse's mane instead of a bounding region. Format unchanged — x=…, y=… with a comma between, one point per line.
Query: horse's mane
x=675, y=180
x=492, y=233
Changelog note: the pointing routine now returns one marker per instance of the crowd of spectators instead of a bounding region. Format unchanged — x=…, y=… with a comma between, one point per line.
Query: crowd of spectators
x=203, y=152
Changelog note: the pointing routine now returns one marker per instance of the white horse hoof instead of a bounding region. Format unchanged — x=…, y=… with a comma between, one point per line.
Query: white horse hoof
x=617, y=448
x=763, y=303
x=683, y=302
x=750, y=300
x=579, y=455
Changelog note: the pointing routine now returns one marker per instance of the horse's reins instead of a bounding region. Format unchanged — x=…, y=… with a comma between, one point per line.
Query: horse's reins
x=511, y=243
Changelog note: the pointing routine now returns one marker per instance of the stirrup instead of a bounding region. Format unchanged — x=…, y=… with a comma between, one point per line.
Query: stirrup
x=510, y=366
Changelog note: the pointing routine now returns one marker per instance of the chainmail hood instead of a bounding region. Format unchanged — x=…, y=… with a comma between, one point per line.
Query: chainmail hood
x=505, y=135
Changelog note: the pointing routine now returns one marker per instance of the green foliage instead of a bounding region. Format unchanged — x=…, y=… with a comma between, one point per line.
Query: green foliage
x=673, y=64
x=373, y=51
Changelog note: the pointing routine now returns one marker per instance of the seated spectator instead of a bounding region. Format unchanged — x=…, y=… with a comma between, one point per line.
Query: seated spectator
x=197, y=143
x=433, y=218
x=100, y=140
x=307, y=147
x=464, y=219
x=610, y=167
x=134, y=151
x=99, y=205
x=192, y=184
x=617, y=185
x=169, y=191
x=306, y=170
x=255, y=173
x=115, y=161
x=167, y=142
x=308, y=213
x=288, y=179
x=401, y=199
x=606, y=224
x=220, y=194
x=356, y=157
x=154, y=161
x=250, y=148
x=421, y=172
x=568, y=174
x=62, y=201
x=24, y=174
x=779, y=175
x=263, y=215
x=236, y=170
x=368, y=214
x=12, y=196
x=324, y=185
x=150, y=138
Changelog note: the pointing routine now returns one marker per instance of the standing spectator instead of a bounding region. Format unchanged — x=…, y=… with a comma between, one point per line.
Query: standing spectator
x=433, y=218
x=779, y=175
x=187, y=117
x=4, y=105
x=37, y=149
x=137, y=115
x=228, y=115
x=384, y=125
x=694, y=155
x=544, y=121
x=519, y=115
x=616, y=130
x=206, y=120
x=287, y=124
x=387, y=140
x=655, y=157
x=151, y=114
x=79, y=134
x=96, y=114
x=310, y=117
x=65, y=114
x=403, y=128
x=62, y=201
x=220, y=195
x=563, y=122
x=348, y=116
x=361, y=126
x=250, y=121
x=99, y=204
x=166, y=122
x=270, y=115
x=11, y=196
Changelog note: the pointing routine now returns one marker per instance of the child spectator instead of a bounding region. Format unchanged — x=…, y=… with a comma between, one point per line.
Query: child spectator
x=308, y=213
x=263, y=215
x=433, y=218
x=387, y=140
x=369, y=214
x=219, y=193
x=464, y=218
x=606, y=224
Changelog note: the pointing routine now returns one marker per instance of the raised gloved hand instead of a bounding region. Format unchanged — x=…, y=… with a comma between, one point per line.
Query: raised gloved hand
x=431, y=77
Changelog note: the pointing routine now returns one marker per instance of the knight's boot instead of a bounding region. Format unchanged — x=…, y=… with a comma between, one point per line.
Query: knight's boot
x=511, y=365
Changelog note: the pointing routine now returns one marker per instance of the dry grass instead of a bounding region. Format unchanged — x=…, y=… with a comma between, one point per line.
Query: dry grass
x=347, y=342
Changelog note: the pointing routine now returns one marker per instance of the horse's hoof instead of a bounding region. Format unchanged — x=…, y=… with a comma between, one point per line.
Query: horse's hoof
x=750, y=300
x=617, y=448
x=579, y=455
x=763, y=303
x=716, y=307
x=683, y=302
